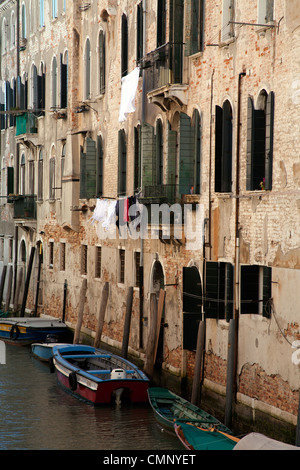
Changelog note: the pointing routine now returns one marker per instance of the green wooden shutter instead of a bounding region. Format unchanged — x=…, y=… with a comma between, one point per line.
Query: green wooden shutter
x=99, y=169
x=269, y=140
x=122, y=163
x=82, y=174
x=148, y=154
x=186, y=165
x=171, y=161
x=219, y=290
x=267, y=291
x=90, y=150
x=192, y=301
x=218, y=148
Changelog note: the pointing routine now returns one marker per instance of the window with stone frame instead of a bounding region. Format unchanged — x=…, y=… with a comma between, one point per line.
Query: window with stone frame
x=260, y=129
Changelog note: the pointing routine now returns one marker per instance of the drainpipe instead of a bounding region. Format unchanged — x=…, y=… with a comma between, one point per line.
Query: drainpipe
x=16, y=163
x=233, y=324
x=141, y=286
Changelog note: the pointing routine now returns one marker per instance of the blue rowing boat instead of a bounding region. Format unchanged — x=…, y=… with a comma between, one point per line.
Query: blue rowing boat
x=28, y=330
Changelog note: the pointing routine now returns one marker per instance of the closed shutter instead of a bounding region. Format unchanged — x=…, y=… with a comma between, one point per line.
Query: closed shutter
x=192, y=301
x=269, y=140
x=99, y=166
x=90, y=150
x=82, y=174
x=218, y=148
x=186, y=166
x=102, y=62
x=122, y=163
x=267, y=291
x=171, y=163
x=148, y=154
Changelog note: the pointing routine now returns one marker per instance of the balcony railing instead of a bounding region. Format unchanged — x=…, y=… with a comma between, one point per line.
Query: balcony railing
x=160, y=194
x=26, y=124
x=163, y=66
x=24, y=206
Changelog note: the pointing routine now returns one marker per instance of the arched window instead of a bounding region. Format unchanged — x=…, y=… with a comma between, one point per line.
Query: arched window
x=4, y=36
x=124, y=46
x=122, y=162
x=197, y=151
x=159, y=153
x=260, y=142
x=99, y=169
x=24, y=28
x=42, y=13
x=54, y=83
x=22, y=174
x=223, y=148
x=102, y=62
x=64, y=80
x=52, y=174
x=34, y=88
x=40, y=174
x=87, y=70
x=13, y=30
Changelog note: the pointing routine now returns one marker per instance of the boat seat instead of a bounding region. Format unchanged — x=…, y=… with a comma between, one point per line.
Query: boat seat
x=102, y=371
x=86, y=356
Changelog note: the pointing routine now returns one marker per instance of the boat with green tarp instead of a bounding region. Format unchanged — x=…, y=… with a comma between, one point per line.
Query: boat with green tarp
x=176, y=414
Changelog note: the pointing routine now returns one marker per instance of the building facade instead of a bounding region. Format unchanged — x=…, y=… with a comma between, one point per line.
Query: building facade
x=211, y=140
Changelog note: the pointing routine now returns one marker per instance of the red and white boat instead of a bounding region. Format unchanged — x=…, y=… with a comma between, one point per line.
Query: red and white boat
x=98, y=376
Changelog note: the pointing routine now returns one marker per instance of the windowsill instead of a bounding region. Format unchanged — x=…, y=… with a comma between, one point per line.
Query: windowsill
x=261, y=31
x=226, y=43
x=121, y=285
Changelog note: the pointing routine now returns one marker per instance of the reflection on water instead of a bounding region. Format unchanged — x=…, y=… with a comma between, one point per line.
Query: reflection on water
x=37, y=414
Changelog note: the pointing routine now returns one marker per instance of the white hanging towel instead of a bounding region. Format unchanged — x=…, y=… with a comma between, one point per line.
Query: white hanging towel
x=128, y=92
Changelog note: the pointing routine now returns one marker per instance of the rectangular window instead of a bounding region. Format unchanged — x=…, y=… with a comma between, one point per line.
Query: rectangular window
x=84, y=259
x=265, y=11
x=256, y=290
x=54, y=9
x=51, y=254
x=98, y=261
x=42, y=14
x=121, y=266
x=62, y=256
x=137, y=259
x=228, y=18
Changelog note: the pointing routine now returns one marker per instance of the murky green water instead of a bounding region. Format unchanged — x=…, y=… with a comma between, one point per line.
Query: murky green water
x=36, y=414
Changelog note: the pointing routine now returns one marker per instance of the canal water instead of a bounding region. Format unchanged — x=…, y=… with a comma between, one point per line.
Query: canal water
x=37, y=414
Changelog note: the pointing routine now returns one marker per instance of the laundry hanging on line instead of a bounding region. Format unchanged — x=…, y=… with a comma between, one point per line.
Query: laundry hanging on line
x=115, y=211
x=128, y=92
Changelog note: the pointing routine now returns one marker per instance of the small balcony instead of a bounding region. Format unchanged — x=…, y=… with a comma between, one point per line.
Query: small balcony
x=24, y=206
x=163, y=70
x=26, y=124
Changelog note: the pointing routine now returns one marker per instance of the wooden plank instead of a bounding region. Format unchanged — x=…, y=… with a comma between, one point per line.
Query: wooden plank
x=160, y=307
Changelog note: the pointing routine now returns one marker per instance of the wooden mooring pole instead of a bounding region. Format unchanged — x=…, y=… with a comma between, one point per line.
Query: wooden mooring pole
x=199, y=363
x=3, y=276
x=101, y=315
x=127, y=322
x=9, y=286
x=30, y=263
x=18, y=289
x=80, y=311
x=149, y=360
